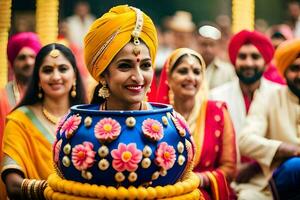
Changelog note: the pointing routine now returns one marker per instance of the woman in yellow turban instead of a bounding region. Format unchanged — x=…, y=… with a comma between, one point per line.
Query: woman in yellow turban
x=120, y=50
x=120, y=141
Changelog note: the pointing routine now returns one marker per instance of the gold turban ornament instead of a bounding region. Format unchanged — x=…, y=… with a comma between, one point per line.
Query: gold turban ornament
x=286, y=53
x=111, y=32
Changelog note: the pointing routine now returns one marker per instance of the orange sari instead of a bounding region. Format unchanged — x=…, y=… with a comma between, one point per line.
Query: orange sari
x=27, y=146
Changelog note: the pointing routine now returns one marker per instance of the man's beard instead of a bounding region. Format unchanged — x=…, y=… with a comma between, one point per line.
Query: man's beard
x=292, y=86
x=249, y=79
x=21, y=75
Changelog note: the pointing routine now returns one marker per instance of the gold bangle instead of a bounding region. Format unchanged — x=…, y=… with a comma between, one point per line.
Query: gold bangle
x=39, y=188
x=24, y=186
x=30, y=188
x=36, y=189
x=42, y=187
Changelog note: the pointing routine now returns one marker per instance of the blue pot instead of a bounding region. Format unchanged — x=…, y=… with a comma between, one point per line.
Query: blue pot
x=159, y=146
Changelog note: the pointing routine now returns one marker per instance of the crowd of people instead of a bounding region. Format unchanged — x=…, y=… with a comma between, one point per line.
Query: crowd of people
x=243, y=109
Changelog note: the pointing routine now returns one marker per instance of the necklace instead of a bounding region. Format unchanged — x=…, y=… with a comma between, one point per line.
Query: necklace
x=49, y=116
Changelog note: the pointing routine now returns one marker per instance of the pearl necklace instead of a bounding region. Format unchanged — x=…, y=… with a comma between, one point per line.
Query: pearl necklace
x=49, y=116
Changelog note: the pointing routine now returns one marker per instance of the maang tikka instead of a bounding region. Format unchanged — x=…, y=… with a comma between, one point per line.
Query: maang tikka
x=137, y=31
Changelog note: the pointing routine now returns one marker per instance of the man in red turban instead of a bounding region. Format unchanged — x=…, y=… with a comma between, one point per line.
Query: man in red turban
x=271, y=131
x=21, y=51
x=261, y=42
x=250, y=52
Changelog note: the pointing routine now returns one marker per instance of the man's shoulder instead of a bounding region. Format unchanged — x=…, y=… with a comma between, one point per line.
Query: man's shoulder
x=225, y=92
x=271, y=93
x=268, y=87
x=228, y=86
x=271, y=83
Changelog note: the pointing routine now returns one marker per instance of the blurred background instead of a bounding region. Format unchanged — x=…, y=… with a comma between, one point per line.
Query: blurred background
x=178, y=23
x=271, y=11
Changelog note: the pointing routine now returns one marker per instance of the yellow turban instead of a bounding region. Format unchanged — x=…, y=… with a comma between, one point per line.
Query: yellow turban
x=111, y=32
x=286, y=53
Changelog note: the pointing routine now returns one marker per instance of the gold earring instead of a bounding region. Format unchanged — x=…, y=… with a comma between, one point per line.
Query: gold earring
x=40, y=94
x=73, y=92
x=103, y=91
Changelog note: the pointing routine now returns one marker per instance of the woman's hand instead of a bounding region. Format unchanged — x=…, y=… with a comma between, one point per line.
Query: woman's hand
x=13, y=183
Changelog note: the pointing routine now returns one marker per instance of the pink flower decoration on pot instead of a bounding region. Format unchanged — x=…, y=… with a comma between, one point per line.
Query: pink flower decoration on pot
x=107, y=129
x=56, y=150
x=190, y=150
x=165, y=156
x=153, y=129
x=193, y=146
x=60, y=124
x=83, y=156
x=126, y=157
x=71, y=125
x=180, y=123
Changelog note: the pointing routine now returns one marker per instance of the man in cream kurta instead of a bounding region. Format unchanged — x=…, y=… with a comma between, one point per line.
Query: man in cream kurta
x=250, y=52
x=271, y=134
x=270, y=122
x=231, y=93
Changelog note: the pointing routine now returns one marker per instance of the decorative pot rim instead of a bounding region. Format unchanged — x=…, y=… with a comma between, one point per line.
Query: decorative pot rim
x=87, y=109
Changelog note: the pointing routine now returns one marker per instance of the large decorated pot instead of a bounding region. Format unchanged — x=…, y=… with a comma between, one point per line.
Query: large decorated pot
x=144, y=154
x=122, y=149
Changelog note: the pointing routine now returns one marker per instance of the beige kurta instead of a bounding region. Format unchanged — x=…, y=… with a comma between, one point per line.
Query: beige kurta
x=218, y=73
x=271, y=120
x=231, y=94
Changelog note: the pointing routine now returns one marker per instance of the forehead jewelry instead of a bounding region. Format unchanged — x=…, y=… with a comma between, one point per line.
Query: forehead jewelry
x=54, y=53
x=137, y=31
x=136, y=51
x=190, y=59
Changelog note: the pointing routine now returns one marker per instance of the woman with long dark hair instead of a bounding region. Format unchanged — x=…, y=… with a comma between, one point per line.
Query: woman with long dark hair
x=30, y=129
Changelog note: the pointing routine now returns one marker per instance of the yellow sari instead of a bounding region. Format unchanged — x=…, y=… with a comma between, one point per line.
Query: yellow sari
x=27, y=145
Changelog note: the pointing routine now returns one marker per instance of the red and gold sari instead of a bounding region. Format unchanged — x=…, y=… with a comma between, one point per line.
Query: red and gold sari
x=213, y=132
x=216, y=149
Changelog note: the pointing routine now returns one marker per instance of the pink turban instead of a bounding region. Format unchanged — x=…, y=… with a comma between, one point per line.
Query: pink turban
x=261, y=42
x=19, y=41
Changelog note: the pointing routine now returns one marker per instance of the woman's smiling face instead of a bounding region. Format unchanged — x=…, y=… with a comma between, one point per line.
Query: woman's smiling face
x=129, y=76
x=185, y=79
x=56, y=76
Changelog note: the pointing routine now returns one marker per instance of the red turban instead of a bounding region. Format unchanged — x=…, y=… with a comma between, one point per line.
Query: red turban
x=18, y=41
x=261, y=42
